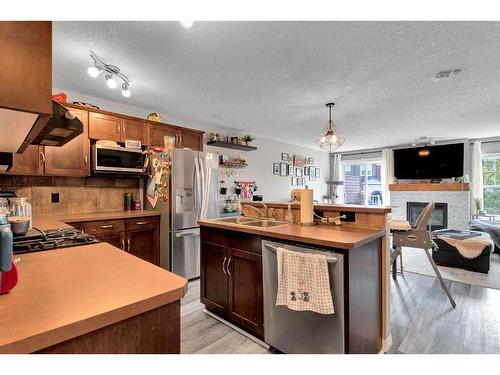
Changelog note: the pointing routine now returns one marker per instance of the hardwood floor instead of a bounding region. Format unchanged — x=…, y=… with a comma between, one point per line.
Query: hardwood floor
x=422, y=321
x=202, y=334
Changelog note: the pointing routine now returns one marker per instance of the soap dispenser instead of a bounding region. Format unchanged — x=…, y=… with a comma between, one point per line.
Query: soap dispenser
x=289, y=214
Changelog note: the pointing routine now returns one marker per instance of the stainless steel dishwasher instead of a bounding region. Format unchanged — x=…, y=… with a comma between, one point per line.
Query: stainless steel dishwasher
x=297, y=332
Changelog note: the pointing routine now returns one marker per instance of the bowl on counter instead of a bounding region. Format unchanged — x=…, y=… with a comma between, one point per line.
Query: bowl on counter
x=19, y=225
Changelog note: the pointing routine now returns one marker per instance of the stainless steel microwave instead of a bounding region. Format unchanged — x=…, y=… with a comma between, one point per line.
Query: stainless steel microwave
x=109, y=159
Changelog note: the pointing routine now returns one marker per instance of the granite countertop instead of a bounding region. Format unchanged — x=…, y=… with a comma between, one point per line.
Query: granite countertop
x=65, y=294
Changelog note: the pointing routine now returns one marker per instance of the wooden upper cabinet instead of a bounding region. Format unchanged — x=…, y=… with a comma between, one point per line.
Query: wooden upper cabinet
x=192, y=139
x=134, y=130
x=157, y=132
x=105, y=127
x=29, y=162
x=72, y=159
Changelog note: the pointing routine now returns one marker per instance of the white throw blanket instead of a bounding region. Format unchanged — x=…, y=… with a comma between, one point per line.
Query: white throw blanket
x=303, y=282
x=469, y=248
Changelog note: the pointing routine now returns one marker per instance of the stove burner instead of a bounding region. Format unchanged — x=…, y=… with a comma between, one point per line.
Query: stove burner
x=54, y=239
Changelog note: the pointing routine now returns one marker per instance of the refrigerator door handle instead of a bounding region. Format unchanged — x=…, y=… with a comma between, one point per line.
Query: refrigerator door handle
x=197, y=192
x=186, y=234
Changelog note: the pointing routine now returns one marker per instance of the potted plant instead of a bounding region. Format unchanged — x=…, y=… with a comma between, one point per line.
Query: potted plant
x=247, y=138
x=478, y=202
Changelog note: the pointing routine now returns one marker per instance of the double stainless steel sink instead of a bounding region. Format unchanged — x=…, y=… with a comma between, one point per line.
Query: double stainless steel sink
x=251, y=221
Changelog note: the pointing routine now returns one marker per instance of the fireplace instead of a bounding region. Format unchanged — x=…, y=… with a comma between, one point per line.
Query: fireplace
x=439, y=217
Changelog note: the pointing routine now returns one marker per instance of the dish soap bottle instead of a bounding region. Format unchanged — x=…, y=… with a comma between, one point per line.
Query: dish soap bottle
x=289, y=214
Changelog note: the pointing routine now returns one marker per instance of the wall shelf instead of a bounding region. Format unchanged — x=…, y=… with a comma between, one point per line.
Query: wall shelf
x=231, y=145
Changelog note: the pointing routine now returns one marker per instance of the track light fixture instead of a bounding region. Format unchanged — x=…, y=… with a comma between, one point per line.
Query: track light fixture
x=111, y=71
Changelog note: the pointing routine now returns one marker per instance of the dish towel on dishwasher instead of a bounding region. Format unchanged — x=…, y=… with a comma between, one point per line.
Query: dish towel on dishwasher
x=303, y=282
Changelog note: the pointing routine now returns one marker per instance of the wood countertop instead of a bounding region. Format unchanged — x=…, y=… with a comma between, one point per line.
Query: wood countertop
x=60, y=221
x=325, y=206
x=322, y=235
x=66, y=293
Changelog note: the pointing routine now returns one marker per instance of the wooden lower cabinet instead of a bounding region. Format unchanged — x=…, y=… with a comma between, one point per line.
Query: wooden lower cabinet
x=231, y=278
x=139, y=237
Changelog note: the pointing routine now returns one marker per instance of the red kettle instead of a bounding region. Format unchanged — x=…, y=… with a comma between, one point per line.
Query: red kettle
x=8, y=269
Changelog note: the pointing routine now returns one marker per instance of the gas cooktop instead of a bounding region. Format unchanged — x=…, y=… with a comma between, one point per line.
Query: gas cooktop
x=36, y=240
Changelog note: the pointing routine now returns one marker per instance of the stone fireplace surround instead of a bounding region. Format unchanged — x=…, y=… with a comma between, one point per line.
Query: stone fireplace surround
x=458, y=205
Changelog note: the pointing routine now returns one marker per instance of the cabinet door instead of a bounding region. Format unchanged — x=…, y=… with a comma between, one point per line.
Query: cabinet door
x=143, y=239
x=245, y=290
x=72, y=159
x=213, y=278
x=29, y=162
x=133, y=130
x=116, y=239
x=103, y=126
x=158, y=131
x=192, y=140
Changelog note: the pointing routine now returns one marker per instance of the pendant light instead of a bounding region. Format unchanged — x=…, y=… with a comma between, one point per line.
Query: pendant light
x=330, y=139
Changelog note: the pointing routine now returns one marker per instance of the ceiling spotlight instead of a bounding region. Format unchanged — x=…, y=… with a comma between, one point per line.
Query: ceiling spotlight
x=110, y=81
x=125, y=90
x=112, y=74
x=94, y=71
x=187, y=24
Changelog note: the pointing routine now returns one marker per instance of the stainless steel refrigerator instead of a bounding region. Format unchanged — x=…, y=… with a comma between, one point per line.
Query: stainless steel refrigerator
x=194, y=195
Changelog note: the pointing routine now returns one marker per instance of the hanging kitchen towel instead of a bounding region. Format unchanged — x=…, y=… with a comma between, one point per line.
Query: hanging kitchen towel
x=303, y=282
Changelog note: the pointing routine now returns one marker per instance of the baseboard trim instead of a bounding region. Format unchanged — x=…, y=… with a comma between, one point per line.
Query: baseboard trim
x=386, y=344
x=238, y=329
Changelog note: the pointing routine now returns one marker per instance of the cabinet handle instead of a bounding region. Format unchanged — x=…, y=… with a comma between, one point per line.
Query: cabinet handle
x=123, y=244
x=85, y=159
x=223, y=266
x=128, y=243
x=142, y=222
x=43, y=156
x=227, y=267
x=123, y=129
x=106, y=226
x=118, y=128
x=180, y=139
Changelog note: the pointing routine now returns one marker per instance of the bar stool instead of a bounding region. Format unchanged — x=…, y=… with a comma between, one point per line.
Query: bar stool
x=418, y=236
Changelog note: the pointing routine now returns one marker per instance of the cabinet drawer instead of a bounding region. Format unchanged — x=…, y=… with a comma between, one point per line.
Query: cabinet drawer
x=101, y=227
x=141, y=223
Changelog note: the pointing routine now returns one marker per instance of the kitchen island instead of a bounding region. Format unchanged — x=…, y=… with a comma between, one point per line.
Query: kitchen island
x=232, y=269
x=90, y=299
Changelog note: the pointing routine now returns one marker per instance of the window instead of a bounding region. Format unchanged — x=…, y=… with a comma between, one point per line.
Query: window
x=362, y=183
x=491, y=184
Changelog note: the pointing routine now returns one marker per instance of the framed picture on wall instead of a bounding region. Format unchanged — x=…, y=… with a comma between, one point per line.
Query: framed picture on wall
x=276, y=169
x=299, y=161
x=298, y=172
x=317, y=173
x=284, y=157
x=283, y=169
x=311, y=161
x=290, y=170
x=312, y=171
x=306, y=171
x=312, y=176
x=294, y=181
x=300, y=181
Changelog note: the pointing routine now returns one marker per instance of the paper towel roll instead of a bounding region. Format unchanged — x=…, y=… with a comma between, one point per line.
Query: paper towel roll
x=306, y=206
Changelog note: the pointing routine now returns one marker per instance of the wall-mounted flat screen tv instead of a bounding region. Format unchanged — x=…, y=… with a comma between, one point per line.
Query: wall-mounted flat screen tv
x=432, y=162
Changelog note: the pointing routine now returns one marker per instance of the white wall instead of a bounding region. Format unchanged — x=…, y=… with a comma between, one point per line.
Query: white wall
x=260, y=162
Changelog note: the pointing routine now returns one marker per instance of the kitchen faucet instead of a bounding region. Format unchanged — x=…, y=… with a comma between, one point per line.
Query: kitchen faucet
x=261, y=213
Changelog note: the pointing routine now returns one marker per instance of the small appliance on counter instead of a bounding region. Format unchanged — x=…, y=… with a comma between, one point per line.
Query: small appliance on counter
x=8, y=269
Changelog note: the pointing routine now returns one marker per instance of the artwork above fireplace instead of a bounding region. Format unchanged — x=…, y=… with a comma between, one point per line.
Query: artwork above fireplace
x=439, y=217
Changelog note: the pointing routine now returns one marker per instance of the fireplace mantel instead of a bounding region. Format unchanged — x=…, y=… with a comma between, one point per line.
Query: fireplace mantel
x=427, y=186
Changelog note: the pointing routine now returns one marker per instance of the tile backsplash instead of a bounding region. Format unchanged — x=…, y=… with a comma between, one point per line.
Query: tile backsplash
x=83, y=195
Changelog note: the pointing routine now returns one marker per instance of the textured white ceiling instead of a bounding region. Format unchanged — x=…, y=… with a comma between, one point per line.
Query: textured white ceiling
x=273, y=78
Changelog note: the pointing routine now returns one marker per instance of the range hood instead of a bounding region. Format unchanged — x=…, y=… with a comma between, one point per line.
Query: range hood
x=61, y=128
